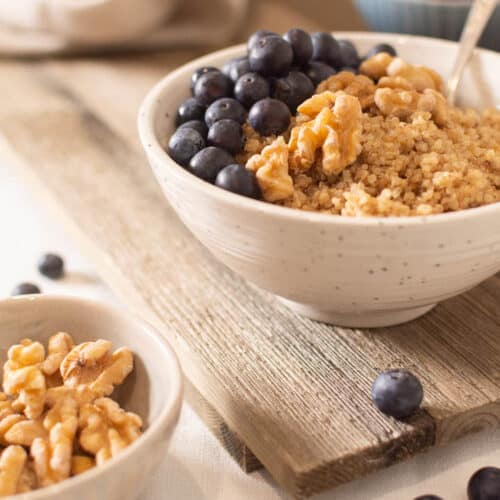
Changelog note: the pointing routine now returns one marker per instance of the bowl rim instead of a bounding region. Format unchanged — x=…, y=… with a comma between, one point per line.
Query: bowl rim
x=152, y=145
x=167, y=416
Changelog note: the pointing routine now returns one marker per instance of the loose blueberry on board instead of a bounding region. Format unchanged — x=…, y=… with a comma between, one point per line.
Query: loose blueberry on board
x=237, y=179
x=301, y=44
x=349, y=54
x=225, y=108
x=318, y=71
x=293, y=89
x=212, y=86
x=484, y=484
x=25, y=289
x=269, y=117
x=257, y=36
x=381, y=47
x=189, y=110
x=271, y=56
x=326, y=49
x=428, y=497
x=208, y=162
x=226, y=134
x=197, y=125
x=200, y=71
x=397, y=393
x=236, y=68
x=51, y=265
x=184, y=144
x=251, y=88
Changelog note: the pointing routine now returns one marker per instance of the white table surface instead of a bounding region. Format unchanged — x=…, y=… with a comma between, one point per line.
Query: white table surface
x=196, y=467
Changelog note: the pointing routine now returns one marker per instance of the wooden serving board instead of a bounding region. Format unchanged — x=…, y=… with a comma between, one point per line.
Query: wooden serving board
x=277, y=389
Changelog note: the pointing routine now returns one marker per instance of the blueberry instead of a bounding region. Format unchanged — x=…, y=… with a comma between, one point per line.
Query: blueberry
x=349, y=54
x=237, y=179
x=51, y=265
x=225, y=108
x=428, y=497
x=226, y=134
x=184, y=144
x=301, y=44
x=197, y=125
x=271, y=56
x=258, y=35
x=207, y=163
x=189, y=110
x=397, y=393
x=236, y=67
x=318, y=71
x=381, y=47
x=484, y=484
x=326, y=49
x=269, y=117
x=251, y=88
x=212, y=86
x=293, y=89
x=200, y=71
x=25, y=289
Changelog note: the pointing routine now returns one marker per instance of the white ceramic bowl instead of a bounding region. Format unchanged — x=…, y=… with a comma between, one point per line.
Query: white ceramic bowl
x=153, y=390
x=363, y=272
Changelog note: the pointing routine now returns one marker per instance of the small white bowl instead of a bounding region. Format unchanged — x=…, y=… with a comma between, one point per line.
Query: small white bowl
x=361, y=272
x=153, y=390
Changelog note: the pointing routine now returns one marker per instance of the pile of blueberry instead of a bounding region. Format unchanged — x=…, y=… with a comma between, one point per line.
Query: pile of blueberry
x=265, y=87
x=398, y=393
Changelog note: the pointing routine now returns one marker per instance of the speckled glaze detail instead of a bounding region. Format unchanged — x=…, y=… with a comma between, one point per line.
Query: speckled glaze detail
x=153, y=390
x=366, y=272
x=438, y=18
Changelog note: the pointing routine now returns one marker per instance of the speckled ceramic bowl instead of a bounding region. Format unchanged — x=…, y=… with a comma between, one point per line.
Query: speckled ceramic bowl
x=348, y=271
x=153, y=390
x=439, y=18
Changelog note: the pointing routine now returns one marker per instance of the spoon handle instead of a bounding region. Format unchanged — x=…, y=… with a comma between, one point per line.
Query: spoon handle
x=477, y=19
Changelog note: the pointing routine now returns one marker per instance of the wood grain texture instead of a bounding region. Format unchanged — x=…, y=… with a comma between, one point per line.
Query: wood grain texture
x=293, y=391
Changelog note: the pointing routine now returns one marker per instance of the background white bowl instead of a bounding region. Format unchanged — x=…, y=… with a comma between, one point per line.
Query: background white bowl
x=363, y=272
x=153, y=390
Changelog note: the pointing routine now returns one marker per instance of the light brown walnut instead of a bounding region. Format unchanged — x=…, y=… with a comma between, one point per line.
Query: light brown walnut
x=81, y=464
x=60, y=344
x=12, y=462
x=359, y=86
x=395, y=82
x=420, y=77
x=376, y=66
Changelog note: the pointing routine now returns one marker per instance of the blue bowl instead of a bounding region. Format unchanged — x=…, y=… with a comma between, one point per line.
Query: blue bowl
x=440, y=19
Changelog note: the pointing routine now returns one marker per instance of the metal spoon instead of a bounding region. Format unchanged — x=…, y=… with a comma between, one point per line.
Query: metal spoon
x=477, y=19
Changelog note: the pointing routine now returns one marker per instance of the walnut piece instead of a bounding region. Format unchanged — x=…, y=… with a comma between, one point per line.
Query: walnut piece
x=92, y=365
x=271, y=170
x=24, y=432
x=359, y=86
x=12, y=463
x=23, y=377
x=52, y=456
x=376, y=66
x=80, y=464
x=106, y=429
x=27, y=481
x=312, y=106
x=59, y=346
x=419, y=76
x=395, y=82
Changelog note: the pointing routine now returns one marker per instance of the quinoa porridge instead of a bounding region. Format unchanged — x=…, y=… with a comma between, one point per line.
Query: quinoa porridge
x=381, y=143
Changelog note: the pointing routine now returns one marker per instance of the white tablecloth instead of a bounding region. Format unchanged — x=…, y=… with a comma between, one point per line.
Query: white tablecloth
x=196, y=467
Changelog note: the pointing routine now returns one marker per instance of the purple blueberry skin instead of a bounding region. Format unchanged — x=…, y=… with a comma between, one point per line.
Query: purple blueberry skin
x=225, y=108
x=251, y=88
x=326, y=49
x=258, y=35
x=349, y=54
x=235, y=68
x=318, y=71
x=51, y=265
x=301, y=44
x=197, y=125
x=428, y=497
x=208, y=162
x=26, y=289
x=484, y=484
x=397, y=393
x=237, y=179
x=271, y=56
x=269, y=117
x=293, y=89
x=226, y=134
x=196, y=75
x=381, y=47
x=189, y=110
x=184, y=144
x=212, y=86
